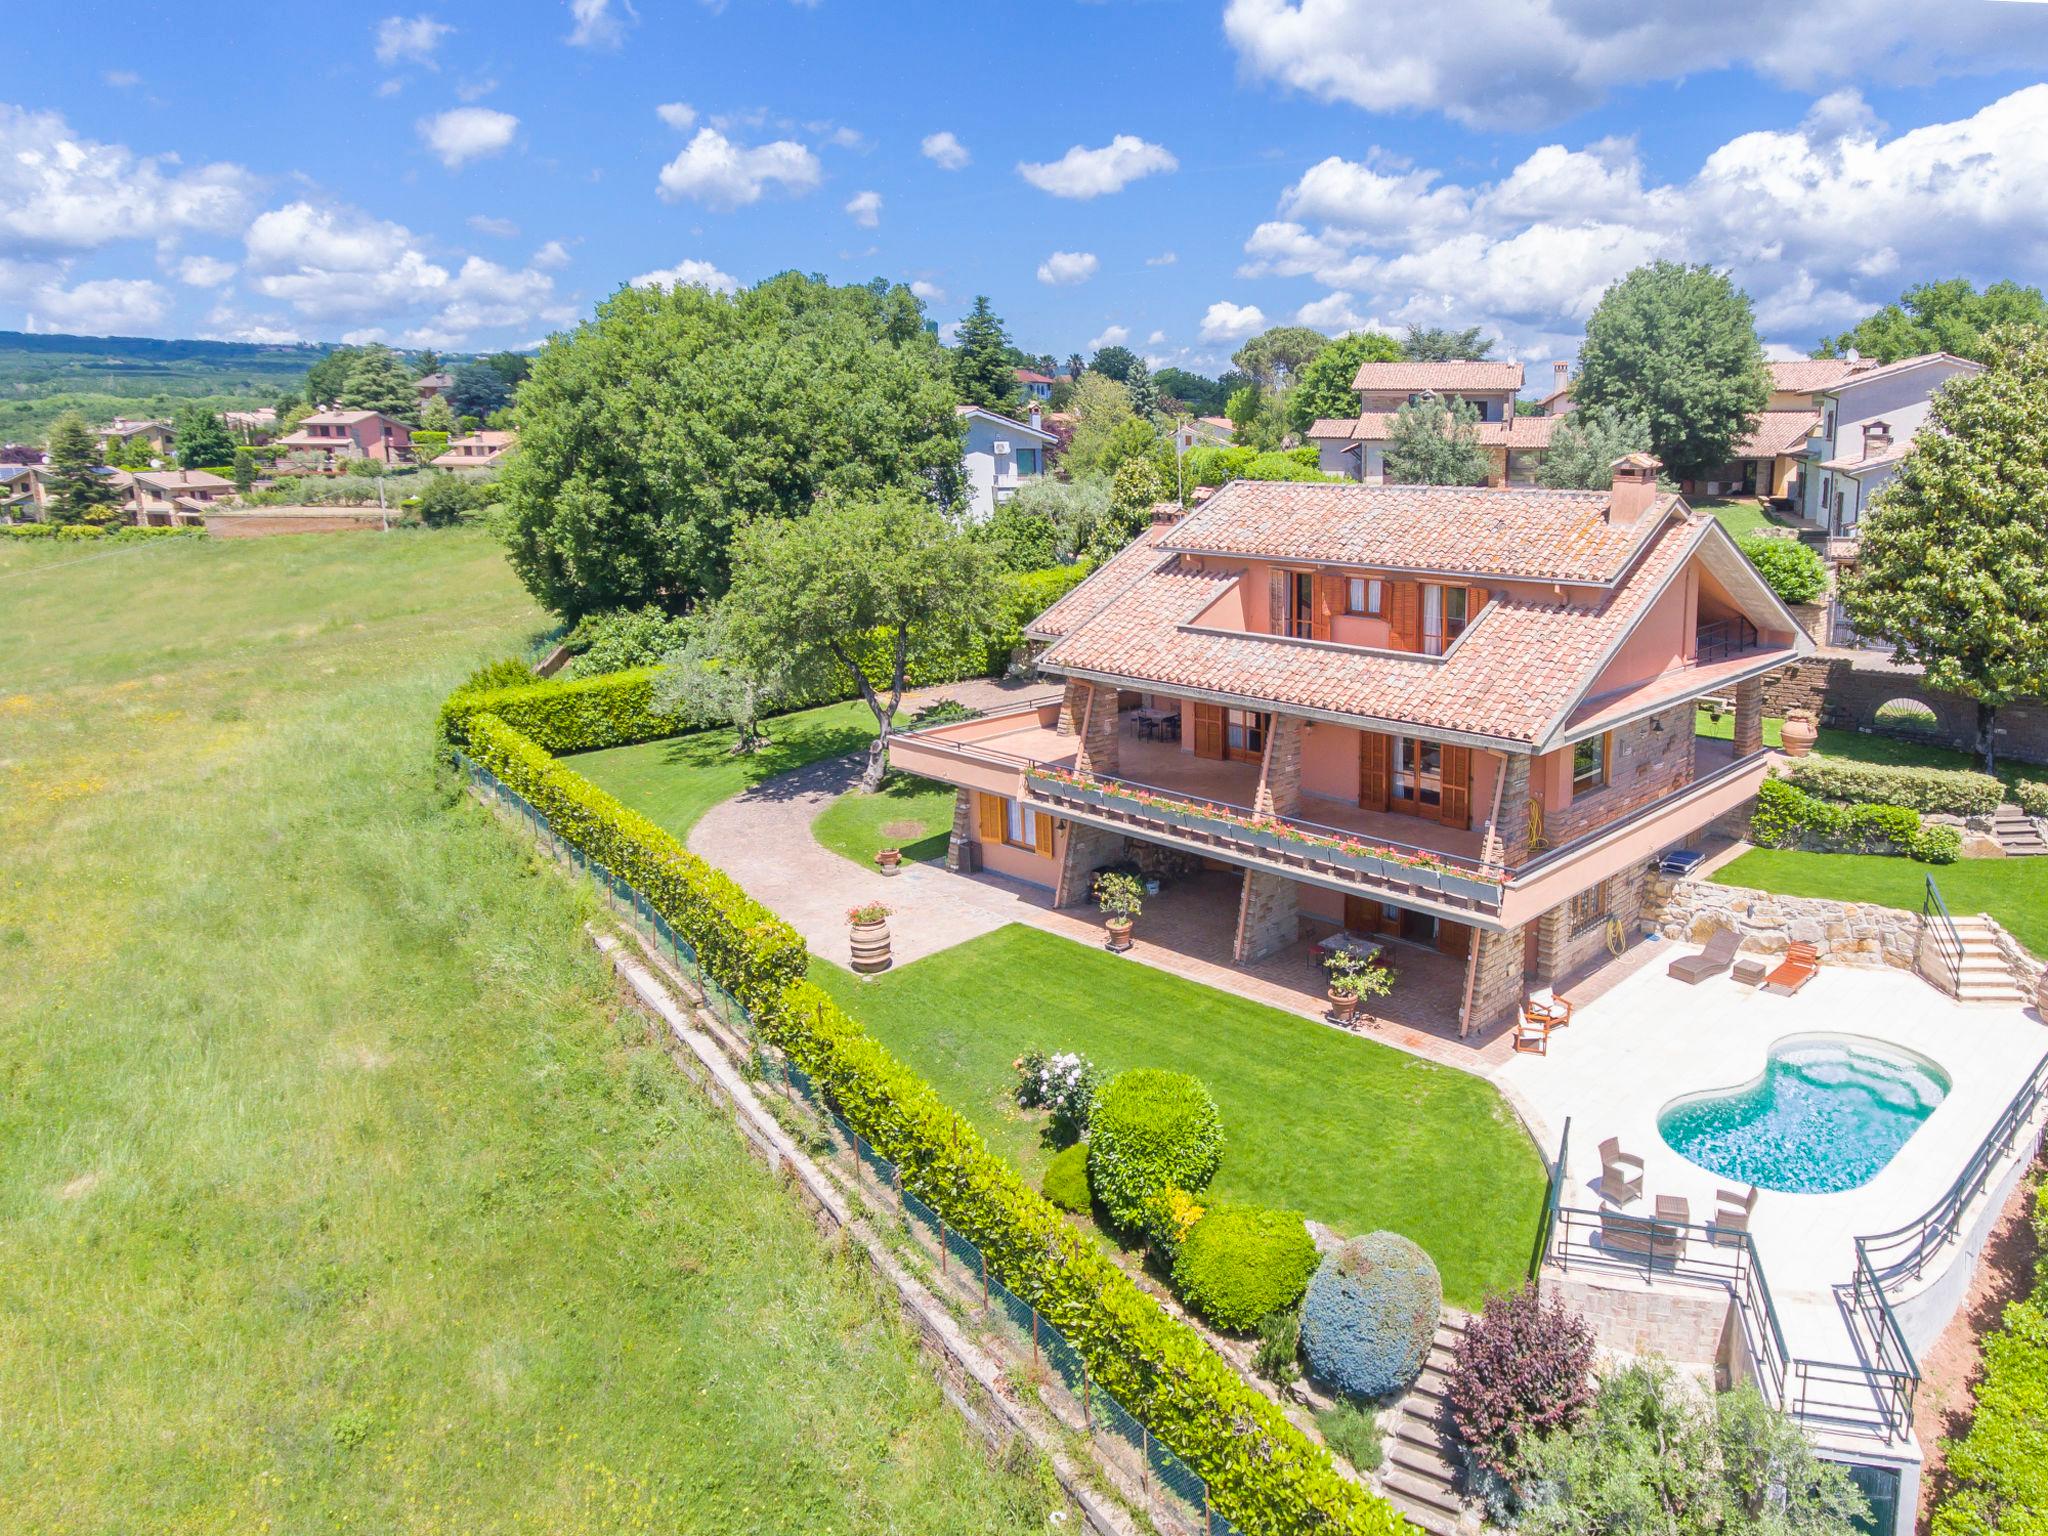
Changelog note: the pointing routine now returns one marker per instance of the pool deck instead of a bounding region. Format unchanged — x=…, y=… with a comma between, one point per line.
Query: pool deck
x=1653, y=1039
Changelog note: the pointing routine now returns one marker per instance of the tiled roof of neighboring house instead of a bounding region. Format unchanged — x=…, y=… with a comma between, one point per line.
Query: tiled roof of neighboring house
x=1532, y=535
x=1513, y=676
x=1103, y=586
x=1857, y=464
x=1777, y=432
x=1222, y=422
x=484, y=440
x=266, y=416
x=435, y=381
x=338, y=418
x=1005, y=421
x=1438, y=376
x=1378, y=427
x=169, y=480
x=1810, y=375
x=1026, y=376
x=122, y=426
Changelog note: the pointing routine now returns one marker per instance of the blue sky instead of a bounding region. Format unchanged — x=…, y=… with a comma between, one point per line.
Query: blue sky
x=1173, y=175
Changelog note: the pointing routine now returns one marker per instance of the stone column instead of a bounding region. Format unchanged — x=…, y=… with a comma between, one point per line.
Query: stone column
x=1497, y=980
x=1268, y=916
x=1095, y=722
x=1513, y=827
x=1749, y=716
x=1279, y=791
x=963, y=830
x=1087, y=850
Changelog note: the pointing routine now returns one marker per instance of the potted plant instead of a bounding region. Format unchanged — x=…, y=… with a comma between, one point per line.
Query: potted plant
x=889, y=859
x=1354, y=978
x=1121, y=899
x=1799, y=732
x=870, y=922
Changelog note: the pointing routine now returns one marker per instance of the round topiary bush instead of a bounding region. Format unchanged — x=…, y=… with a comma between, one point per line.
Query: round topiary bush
x=1371, y=1312
x=1066, y=1178
x=1241, y=1263
x=1150, y=1129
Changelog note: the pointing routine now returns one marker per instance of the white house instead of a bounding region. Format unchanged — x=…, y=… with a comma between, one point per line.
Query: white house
x=1037, y=386
x=1867, y=423
x=1000, y=455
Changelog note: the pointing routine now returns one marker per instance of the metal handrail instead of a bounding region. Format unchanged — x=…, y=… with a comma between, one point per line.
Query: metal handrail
x=1946, y=935
x=1553, y=1196
x=1724, y=638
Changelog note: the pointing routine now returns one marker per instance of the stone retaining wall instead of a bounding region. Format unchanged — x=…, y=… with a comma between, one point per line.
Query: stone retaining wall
x=1846, y=690
x=1844, y=933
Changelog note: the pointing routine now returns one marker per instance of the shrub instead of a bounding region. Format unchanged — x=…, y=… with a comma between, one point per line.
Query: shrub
x=1151, y=1130
x=1371, y=1312
x=78, y=532
x=509, y=672
x=1065, y=1084
x=621, y=639
x=562, y=715
x=1788, y=817
x=1353, y=1433
x=1523, y=1368
x=1793, y=571
x=1949, y=791
x=448, y=498
x=1242, y=1263
x=1938, y=845
x=943, y=712
x=1066, y=1179
x=2032, y=795
x=1278, y=1357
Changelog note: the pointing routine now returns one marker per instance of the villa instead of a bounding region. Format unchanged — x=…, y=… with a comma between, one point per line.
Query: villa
x=1356, y=448
x=1453, y=724
x=1000, y=454
x=166, y=498
x=328, y=436
x=477, y=450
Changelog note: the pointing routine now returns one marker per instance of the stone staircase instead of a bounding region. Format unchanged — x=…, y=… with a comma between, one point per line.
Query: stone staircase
x=1419, y=1474
x=1985, y=975
x=2018, y=833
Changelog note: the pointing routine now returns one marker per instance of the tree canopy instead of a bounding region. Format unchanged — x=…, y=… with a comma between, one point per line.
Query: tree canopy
x=79, y=493
x=1434, y=344
x=983, y=374
x=478, y=390
x=1101, y=406
x=380, y=381
x=1325, y=385
x=1275, y=358
x=656, y=432
x=1950, y=316
x=325, y=378
x=1143, y=391
x=1953, y=568
x=202, y=438
x=1585, y=444
x=1258, y=420
x=1202, y=396
x=1113, y=362
x=1676, y=345
x=1436, y=442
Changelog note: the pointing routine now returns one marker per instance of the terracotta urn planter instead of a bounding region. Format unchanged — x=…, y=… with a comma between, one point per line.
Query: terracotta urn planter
x=870, y=942
x=1119, y=933
x=1799, y=732
x=1343, y=1007
x=889, y=860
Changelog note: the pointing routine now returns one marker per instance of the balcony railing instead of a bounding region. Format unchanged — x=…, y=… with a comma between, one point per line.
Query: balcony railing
x=1372, y=864
x=1723, y=639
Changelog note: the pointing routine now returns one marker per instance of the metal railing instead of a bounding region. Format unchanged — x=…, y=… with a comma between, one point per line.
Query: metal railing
x=1946, y=937
x=1722, y=639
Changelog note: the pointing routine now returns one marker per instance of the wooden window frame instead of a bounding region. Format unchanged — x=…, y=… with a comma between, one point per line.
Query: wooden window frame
x=1596, y=780
x=1258, y=723
x=1587, y=909
x=1020, y=826
x=1371, y=592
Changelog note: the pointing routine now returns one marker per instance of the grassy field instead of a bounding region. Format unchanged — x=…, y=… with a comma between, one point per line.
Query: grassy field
x=1855, y=746
x=2015, y=891
x=336, y=1193
x=1351, y=1132
x=907, y=813
x=1738, y=517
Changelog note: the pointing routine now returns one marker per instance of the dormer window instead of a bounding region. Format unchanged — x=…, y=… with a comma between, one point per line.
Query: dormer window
x=1443, y=617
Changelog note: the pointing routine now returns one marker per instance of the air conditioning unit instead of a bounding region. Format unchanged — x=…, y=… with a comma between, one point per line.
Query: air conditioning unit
x=1002, y=447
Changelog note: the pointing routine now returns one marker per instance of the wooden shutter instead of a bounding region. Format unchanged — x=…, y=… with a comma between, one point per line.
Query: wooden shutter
x=1453, y=938
x=1361, y=914
x=1456, y=810
x=1276, y=601
x=1476, y=598
x=994, y=819
x=1209, y=730
x=1329, y=602
x=1404, y=601
x=1375, y=769
x=1042, y=829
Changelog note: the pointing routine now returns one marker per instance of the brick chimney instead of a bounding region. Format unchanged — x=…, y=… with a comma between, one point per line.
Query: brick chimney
x=1635, y=489
x=1165, y=513
x=1564, y=373
x=1877, y=439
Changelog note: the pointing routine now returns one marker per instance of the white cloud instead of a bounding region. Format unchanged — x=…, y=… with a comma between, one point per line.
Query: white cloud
x=944, y=150
x=463, y=134
x=1226, y=321
x=598, y=25
x=410, y=40
x=553, y=254
x=719, y=173
x=865, y=209
x=931, y=293
x=844, y=137
x=226, y=323
x=1333, y=312
x=61, y=192
x=204, y=271
x=484, y=224
x=1155, y=339
x=1085, y=173
x=1163, y=259
x=689, y=273
x=335, y=262
x=1110, y=336
x=1531, y=253
x=121, y=79
x=677, y=114
x=1063, y=268
x=107, y=306
x=1542, y=61
x=475, y=90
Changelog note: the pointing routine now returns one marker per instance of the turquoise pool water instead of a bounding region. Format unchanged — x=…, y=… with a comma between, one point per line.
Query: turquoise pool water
x=1828, y=1112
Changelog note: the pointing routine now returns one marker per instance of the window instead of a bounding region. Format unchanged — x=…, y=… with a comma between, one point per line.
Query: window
x=1301, y=604
x=1364, y=596
x=1443, y=617
x=1589, y=907
x=1020, y=828
x=1244, y=733
x=1027, y=461
x=1419, y=771
x=1589, y=764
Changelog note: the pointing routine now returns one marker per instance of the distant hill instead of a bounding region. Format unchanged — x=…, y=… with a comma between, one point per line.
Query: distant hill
x=41, y=377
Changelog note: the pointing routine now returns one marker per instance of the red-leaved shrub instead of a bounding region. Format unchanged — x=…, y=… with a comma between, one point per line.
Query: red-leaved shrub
x=1524, y=1367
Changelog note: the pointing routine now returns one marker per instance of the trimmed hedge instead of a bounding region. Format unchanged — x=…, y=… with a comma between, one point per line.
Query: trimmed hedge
x=1371, y=1313
x=1788, y=567
x=1151, y=1132
x=1948, y=791
x=82, y=531
x=1066, y=1179
x=1788, y=817
x=1242, y=1263
x=1263, y=1474
x=2032, y=795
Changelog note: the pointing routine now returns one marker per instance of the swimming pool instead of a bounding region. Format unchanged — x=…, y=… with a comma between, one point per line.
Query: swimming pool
x=1826, y=1113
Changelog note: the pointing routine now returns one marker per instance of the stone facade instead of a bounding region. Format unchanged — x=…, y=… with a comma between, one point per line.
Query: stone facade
x=963, y=830
x=1688, y=1328
x=1497, y=977
x=1514, y=808
x=1268, y=915
x=1846, y=690
x=1279, y=792
x=1560, y=951
x=1844, y=933
x=1650, y=758
x=1083, y=850
x=1749, y=717
x=1088, y=710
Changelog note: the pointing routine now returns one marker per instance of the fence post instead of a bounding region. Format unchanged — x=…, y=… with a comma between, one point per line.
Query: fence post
x=979, y=1254
x=1145, y=1461
x=1034, y=1341
x=942, y=1239
x=1087, y=1408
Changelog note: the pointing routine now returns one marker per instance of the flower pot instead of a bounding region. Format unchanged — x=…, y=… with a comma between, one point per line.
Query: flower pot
x=1343, y=1007
x=1119, y=933
x=889, y=860
x=871, y=947
x=1799, y=732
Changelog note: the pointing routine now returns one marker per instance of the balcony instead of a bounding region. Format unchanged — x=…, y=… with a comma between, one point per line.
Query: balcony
x=1724, y=639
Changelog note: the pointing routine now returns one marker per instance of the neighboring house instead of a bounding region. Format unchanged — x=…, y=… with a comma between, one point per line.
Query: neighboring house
x=1458, y=723
x=165, y=498
x=326, y=437
x=251, y=427
x=1867, y=421
x=1001, y=455
x=119, y=433
x=1037, y=386
x=17, y=493
x=36, y=508
x=477, y=450
x=1356, y=448
x=432, y=384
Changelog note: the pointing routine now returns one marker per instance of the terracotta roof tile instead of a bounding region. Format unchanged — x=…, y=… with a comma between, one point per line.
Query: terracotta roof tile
x=1378, y=427
x=1103, y=586
x=1438, y=376
x=1777, y=432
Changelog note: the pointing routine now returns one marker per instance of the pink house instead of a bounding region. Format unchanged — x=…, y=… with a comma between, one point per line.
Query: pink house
x=328, y=436
x=1457, y=724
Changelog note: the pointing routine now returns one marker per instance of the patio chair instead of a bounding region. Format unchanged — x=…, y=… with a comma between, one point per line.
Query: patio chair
x=1532, y=1030
x=1801, y=961
x=1731, y=1216
x=1711, y=961
x=1621, y=1174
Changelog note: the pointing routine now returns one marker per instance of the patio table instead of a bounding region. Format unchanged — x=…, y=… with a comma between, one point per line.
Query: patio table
x=1350, y=944
x=1151, y=722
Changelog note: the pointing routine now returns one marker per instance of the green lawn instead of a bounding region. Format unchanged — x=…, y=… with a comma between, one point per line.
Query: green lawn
x=674, y=781
x=1738, y=517
x=1354, y=1133
x=1855, y=746
x=336, y=1193
x=907, y=813
x=2015, y=891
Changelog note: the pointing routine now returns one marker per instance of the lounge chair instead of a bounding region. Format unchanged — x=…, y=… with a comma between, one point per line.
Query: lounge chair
x=1731, y=1216
x=1621, y=1174
x=1711, y=961
x=1801, y=961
